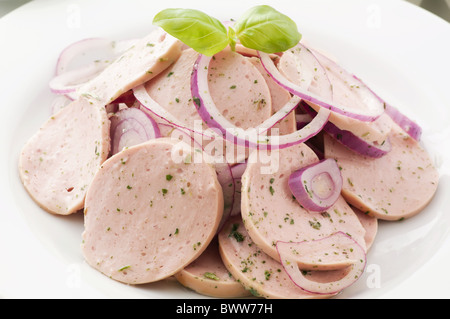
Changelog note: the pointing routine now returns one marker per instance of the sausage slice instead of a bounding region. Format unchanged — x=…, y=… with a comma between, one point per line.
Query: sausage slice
x=147, y=216
x=271, y=213
x=262, y=275
x=58, y=163
x=396, y=186
x=208, y=276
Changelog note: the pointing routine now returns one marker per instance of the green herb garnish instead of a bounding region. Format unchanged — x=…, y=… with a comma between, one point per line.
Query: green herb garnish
x=211, y=275
x=261, y=28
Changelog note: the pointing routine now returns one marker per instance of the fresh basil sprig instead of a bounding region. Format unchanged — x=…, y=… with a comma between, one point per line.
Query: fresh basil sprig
x=261, y=28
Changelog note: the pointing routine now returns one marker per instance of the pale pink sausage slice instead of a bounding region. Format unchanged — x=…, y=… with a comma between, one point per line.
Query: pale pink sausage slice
x=271, y=213
x=58, y=163
x=148, y=216
x=370, y=224
x=172, y=89
x=147, y=58
x=208, y=276
x=279, y=98
x=237, y=87
x=262, y=275
x=396, y=186
x=373, y=132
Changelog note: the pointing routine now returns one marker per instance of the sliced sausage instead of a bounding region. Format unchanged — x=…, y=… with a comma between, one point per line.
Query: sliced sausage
x=147, y=216
x=279, y=97
x=172, y=89
x=373, y=132
x=396, y=186
x=59, y=162
x=208, y=276
x=370, y=224
x=237, y=88
x=262, y=275
x=143, y=61
x=271, y=213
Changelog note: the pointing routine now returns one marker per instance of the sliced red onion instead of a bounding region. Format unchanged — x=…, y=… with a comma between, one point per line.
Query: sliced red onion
x=336, y=251
x=409, y=126
x=373, y=108
x=68, y=82
x=412, y=128
x=77, y=49
x=253, y=137
x=69, y=77
x=357, y=144
x=146, y=101
x=131, y=126
x=318, y=186
x=353, y=83
x=353, y=142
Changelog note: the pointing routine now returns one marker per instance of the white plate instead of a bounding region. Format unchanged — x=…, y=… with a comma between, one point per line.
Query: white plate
x=399, y=49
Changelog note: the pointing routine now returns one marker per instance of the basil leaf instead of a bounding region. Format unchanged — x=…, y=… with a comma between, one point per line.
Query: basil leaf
x=264, y=29
x=194, y=28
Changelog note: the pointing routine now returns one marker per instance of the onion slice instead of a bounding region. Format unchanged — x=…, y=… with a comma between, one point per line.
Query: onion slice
x=412, y=128
x=373, y=106
x=131, y=126
x=318, y=186
x=72, y=70
x=409, y=126
x=253, y=137
x=149, y=104
x=79, y=49
x=357, y=144
x=337, y=251
x=68, y=82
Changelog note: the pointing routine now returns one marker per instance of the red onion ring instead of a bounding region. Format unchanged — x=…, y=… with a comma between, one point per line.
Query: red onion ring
x=409, y=126
x=412, y=128
x=351, y=257
x=374, y=107
x=149, y=104
x=131, y=126
x=353, y=142
x=318, y=186
x=67, y=80
x=254, y=137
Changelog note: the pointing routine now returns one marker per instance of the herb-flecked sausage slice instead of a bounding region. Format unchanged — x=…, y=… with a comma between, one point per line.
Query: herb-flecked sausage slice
x=270, y=211
x=148, y=214
x=398, y=185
